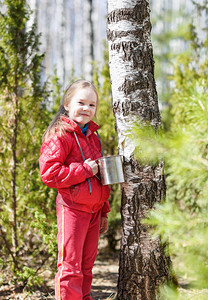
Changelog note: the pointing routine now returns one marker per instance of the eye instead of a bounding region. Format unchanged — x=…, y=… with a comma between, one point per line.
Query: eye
x=81, y=103
x=93, y=104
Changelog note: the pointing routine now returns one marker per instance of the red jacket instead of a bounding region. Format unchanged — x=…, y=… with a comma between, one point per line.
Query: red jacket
x=62, y=167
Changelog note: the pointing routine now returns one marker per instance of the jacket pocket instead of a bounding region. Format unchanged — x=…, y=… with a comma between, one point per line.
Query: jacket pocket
x=80, y=193
x=74, y=190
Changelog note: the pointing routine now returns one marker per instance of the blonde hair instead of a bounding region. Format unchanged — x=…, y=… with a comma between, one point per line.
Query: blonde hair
x=57, y=125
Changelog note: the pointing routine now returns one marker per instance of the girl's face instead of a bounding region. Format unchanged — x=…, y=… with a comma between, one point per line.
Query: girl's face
x=82, y=107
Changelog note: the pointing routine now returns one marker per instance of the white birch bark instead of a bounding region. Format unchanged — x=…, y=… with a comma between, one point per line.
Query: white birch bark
x=99, y=27
x=88, y=39
x=78, y=37
x=122, y=69
x=60, y=36
x=143, y=264
x=67, y=43
x=46, y=12
x=34, y=6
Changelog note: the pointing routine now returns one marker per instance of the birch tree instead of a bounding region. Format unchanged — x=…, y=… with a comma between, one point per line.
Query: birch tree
x=60, y=62
x=77, y=42
x=88, y=39
x=143, y=263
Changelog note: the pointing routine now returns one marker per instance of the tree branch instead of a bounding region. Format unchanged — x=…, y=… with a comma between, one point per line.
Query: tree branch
x=7, y=244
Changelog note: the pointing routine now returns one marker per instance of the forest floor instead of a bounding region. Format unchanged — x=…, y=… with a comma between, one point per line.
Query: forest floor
x=104, y=285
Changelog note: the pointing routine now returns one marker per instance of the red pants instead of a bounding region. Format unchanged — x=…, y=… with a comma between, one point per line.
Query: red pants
x=78, y=234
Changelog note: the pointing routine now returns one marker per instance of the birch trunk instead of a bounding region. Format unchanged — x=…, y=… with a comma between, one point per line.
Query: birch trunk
x=99, y=23
x=69, y=11
x=143, y=263
x=88, y=39
x=77, y=41
x=60, y=40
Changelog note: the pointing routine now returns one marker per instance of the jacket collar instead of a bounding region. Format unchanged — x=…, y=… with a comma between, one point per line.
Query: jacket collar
x=73, y=126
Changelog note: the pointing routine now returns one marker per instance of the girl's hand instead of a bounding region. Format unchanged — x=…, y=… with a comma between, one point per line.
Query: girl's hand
x=103, y=224
x=93, y=165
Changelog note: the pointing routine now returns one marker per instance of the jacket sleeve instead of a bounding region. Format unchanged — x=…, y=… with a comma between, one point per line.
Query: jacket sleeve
x=106, y=207
x=54, y=172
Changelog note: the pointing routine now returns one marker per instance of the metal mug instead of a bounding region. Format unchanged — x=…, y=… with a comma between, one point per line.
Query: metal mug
x=111, y=169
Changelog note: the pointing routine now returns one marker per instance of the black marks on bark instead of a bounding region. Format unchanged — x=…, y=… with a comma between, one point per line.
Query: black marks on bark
x=135, y=166
x=124, y=198
x=134, y=108
x=148, y=185
x=137, y=34
x=139, y=107
x=159, y=267
x=136, y=14
x=143, y=264
x=140, y=98
x=139, y=82
x=115, y=108
x=131, y=250
x=139, y=54
x=124, y=46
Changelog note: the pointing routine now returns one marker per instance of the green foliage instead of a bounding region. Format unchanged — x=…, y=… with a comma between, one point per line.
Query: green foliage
x=23, y=119
x=47, y=230
x=182, y=219
x=28, y=276
x=56, y=93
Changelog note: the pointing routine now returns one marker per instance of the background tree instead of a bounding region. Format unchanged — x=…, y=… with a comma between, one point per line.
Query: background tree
x=72, y=35
x=143, y=263
x=88, y=49
x=23, y=118
x=169, y=38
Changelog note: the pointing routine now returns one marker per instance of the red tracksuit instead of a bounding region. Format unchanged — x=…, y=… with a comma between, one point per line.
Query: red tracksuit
x=81, y=201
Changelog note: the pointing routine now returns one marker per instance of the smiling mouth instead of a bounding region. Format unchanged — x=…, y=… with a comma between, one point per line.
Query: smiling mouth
x=86, y=115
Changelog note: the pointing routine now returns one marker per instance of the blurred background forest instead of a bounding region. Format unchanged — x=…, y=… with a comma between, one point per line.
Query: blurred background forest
x=43, y=50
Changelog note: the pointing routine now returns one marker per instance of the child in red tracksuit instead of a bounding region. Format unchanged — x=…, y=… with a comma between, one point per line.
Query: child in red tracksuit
x=68, y=163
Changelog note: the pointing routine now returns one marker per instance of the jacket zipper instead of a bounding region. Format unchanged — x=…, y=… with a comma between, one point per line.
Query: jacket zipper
x=88, y=179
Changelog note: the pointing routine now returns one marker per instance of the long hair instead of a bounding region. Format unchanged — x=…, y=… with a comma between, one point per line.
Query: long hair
x=57, y=125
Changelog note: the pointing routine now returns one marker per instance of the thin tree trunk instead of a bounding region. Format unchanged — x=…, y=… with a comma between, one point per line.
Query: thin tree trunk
x=77, y=40
x=8, y=246
x=60, y=40
x=143, y=263
x=68, y=49
x=14, y=170
x=88, y=39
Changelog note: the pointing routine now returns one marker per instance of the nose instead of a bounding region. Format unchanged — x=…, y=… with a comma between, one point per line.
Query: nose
x=85, y=107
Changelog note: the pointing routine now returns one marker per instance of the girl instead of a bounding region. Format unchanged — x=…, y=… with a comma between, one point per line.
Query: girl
x=67, y=163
